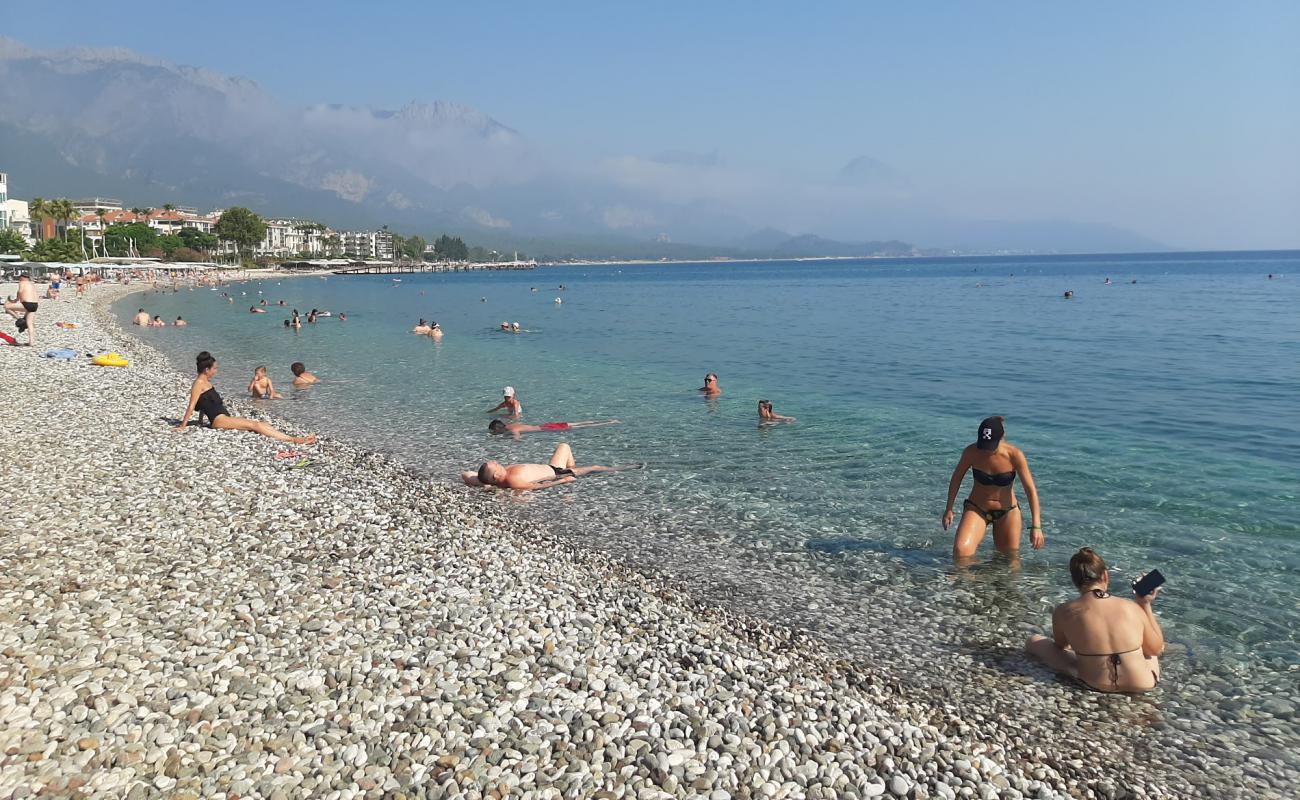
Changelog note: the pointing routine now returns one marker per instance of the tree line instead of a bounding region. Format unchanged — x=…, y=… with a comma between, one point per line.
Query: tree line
x=241, y=227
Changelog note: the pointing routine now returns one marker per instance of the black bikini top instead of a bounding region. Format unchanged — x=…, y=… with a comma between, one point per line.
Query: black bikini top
x=997, y=479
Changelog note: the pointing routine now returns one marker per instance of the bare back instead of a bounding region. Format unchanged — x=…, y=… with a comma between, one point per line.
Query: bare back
x=1100, y=630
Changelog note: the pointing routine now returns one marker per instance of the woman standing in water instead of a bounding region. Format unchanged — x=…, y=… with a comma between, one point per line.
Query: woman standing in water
x=992, y=501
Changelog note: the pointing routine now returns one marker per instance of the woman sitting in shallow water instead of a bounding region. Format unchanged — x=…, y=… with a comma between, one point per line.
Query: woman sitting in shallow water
x=992, y=501
x=205, y=400
x=1110, y=643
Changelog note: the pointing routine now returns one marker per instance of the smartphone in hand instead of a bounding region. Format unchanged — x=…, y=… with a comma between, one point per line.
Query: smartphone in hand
x=1148, y=583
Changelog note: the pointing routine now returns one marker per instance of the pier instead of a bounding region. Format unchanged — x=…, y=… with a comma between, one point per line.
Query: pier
x=402, y=267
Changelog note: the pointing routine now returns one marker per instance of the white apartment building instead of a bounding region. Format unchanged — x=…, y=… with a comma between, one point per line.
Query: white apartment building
x=369, y=244
x=4, y=201
x=88, y=205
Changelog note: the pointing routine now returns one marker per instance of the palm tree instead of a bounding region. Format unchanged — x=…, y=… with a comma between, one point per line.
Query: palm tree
x=37, y=210
x=168, y=207
x=63, y=212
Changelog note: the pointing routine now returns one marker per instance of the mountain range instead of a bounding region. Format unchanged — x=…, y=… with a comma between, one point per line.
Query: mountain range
x=112, y=122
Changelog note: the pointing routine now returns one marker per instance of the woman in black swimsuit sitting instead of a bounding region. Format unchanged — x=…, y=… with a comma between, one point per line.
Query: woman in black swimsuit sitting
x=992, y=501
x=205, y=400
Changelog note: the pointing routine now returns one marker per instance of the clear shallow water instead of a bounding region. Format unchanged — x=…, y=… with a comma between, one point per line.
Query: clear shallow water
x=1159, y=419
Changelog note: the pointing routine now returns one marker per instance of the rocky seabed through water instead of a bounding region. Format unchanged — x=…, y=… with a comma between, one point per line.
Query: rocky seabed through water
x=185, y=615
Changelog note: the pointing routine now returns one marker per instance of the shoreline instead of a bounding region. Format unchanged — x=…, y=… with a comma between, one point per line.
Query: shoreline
x=405, y=515
x=185, y=614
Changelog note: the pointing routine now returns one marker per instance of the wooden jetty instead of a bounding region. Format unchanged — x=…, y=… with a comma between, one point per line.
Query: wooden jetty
x=405, y=268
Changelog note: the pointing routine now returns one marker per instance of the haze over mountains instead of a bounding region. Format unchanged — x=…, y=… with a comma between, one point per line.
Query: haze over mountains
x=116, y=123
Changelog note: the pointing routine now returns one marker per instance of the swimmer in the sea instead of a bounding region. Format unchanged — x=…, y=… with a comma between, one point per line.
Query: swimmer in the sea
x=505, y=326
x=500, y=426
x=301, y=377
x=421, y=327
x=711, y=387
x=180, y=323
x=524, y=477
x=514, y=328
x=767, y=415
x=435, y=330
x=261, y=386
x=1069, y=294
x=256, y=310
x=141, y=319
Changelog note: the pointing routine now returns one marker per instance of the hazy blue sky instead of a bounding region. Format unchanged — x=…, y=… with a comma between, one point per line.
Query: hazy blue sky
x=1178, y=120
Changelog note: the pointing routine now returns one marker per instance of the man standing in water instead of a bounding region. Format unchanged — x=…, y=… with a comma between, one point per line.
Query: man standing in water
x=711, y=387
x=24, y=308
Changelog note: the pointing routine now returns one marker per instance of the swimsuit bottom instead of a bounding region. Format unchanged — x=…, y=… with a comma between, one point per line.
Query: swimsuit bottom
x=555, y=426
x=30, y=307
x=992, y=515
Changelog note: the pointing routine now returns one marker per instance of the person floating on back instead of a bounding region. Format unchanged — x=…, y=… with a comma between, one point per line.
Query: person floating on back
x=1110, y=643
x=500, y=426
x=525, y=477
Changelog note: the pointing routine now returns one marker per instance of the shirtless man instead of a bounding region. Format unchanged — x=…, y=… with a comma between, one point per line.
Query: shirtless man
x=301, y=377
x=509, y=402
x=710, y=387
x=261, y=386
x=141, y=319
x=23, y=309
x=500, y=426
x=523, y=477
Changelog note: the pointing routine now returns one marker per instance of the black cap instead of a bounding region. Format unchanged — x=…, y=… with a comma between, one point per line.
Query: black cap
x=990, y=433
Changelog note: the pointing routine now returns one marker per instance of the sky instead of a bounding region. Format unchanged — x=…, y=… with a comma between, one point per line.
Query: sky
x=1178, y=120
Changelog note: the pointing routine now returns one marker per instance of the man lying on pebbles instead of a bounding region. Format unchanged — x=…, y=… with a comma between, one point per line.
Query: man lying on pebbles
x=523, y=477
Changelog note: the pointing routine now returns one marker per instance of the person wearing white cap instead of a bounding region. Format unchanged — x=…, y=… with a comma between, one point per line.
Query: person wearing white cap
x=508, y=402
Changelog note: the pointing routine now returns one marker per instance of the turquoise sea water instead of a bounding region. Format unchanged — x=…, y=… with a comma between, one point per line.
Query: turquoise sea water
x=1159, y=418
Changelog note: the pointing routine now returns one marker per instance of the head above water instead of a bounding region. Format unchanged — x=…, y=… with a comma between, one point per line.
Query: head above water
x=204, y=362
x=1087, y=568
x=491, y=473
x=297, y=368
x=990, y=433
x=260, y=371
x=497, y=426
x=509, y=391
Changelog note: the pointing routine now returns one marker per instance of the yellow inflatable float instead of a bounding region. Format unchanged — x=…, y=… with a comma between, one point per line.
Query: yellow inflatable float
x=109, y=360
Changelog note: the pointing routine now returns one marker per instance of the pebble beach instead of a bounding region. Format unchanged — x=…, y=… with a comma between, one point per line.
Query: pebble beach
x=187, y=615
